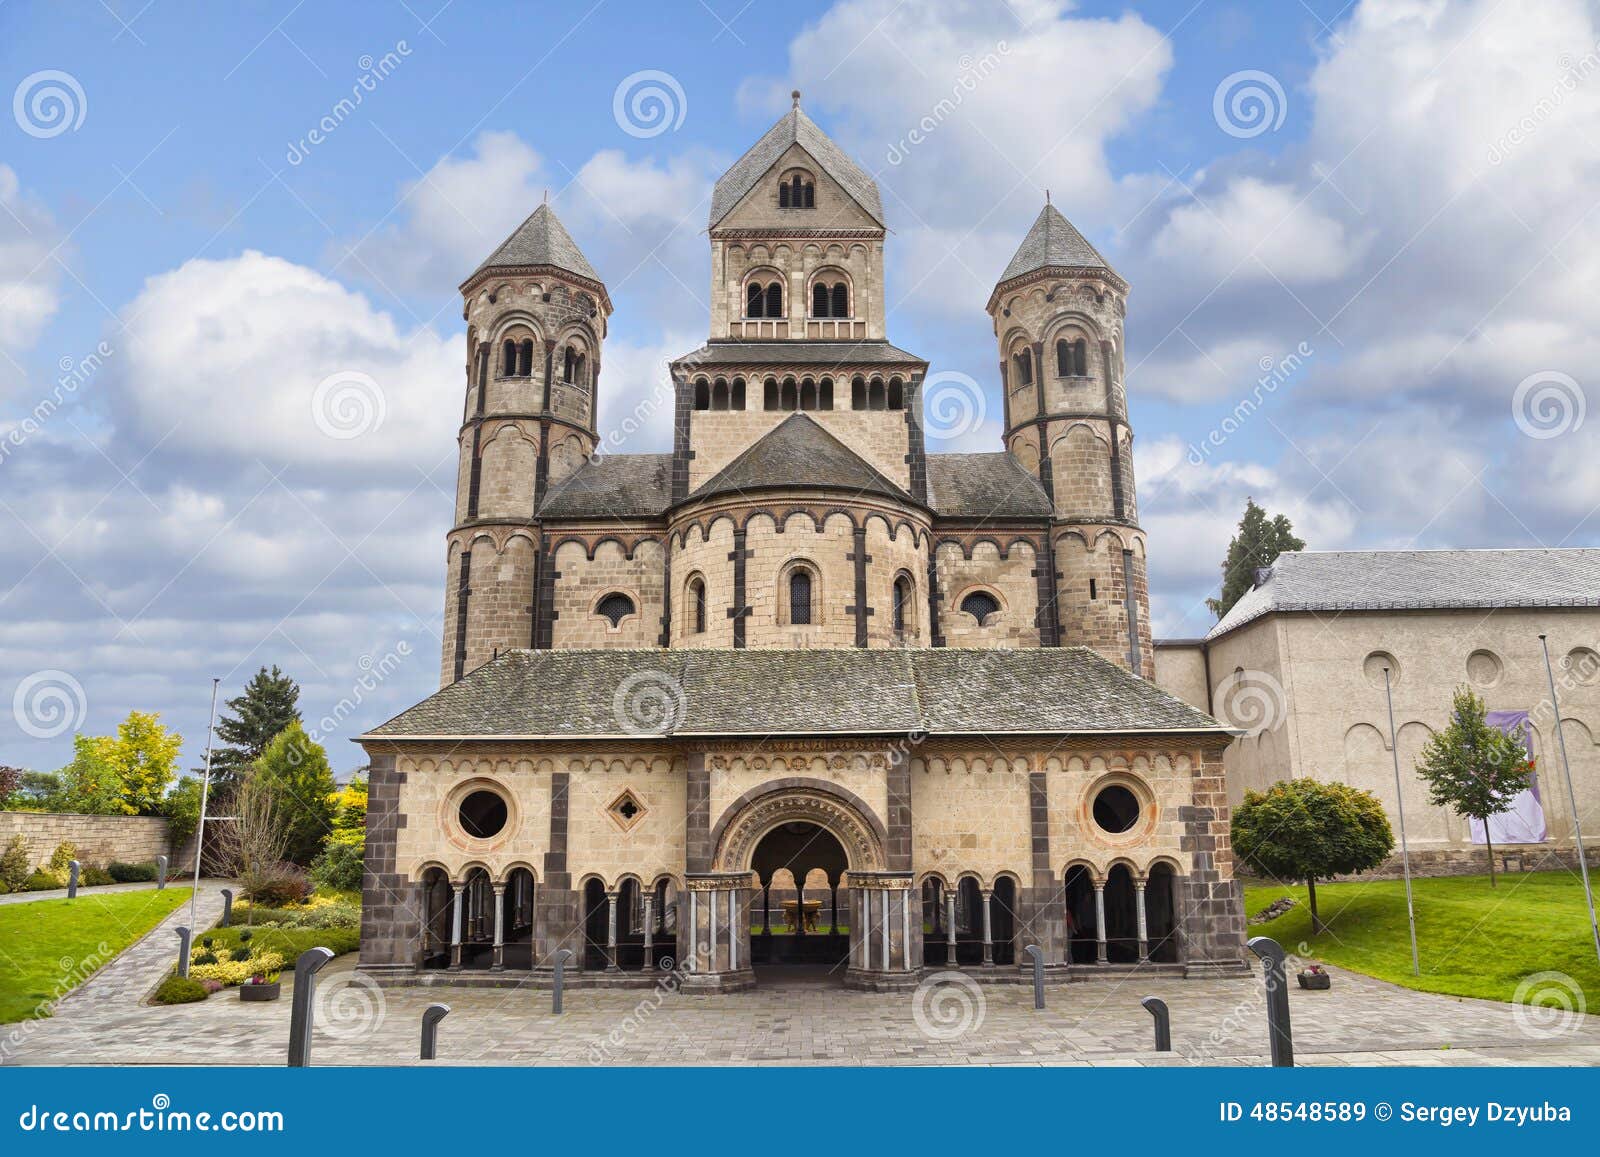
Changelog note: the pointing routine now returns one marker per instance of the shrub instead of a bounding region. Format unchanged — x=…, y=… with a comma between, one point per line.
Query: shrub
x=15, y=867
x=40, y=881
x=131, y=873
x=211, y=985
x=64, y=854
x=231, y=972
x=205, y=958
x=94, y=876
x=180, y=990
x=244, y=937
x=339, y=914
x=338, y=867
x=284, y=884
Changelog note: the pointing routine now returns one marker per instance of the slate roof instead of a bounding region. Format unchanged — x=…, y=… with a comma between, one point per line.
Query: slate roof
x=824, y=354
x=540, y=240
x=794, y=127
x=847, y=691
x=1053, y=240
x=1363, y=580
x=799, y=452
x=613, y=486
x=990, y=485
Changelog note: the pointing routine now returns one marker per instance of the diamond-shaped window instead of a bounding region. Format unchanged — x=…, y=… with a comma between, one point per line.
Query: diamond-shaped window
x=626, y=810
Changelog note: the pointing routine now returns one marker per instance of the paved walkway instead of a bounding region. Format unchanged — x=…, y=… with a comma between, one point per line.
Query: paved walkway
x=61, y=893
x=794, y=1021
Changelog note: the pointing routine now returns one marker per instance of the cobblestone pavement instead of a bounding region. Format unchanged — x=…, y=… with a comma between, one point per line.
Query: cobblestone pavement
x=61, y=893
x=797, y=1021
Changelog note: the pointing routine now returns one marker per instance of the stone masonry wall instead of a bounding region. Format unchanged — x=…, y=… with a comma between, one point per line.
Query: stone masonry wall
x=99, y=839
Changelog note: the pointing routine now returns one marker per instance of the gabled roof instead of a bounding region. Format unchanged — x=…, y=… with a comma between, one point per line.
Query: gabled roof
x=794, y=128
x=799, y=452
x=613, y=486
x=540, y=240
x=831, y=691
x=811, y=354
x=1379, y=580
x=992, y=485
x=1053, y=241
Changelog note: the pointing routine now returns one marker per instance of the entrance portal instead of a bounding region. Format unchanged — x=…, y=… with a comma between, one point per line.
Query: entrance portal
x=797, y=918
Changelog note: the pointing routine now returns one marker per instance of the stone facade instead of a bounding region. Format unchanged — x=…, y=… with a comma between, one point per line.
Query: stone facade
x=798, y=511
x=99, y=839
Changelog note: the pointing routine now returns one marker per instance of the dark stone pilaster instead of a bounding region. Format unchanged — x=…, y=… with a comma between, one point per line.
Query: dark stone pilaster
x=541, y=470
x=1118, y=503
x=463, y=599
x=544, y=615
x=666, y=598
x=898, y=826
x=1044, y=574
x=697, y=815
x=682, y=416
x=1036, y=352
x=859, y=609
x=935, y=636
x=549, y=368
x=391, y=918
x=556, y=909
x=1211, y=923
x=1131, y=602
x=1044, y=902
x=475, y=472
x=917, y=447
x=1046, y=471
x=740, y=610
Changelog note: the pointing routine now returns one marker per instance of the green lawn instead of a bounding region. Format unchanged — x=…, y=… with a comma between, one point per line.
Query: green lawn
x=49, y=947
x=1473, y=940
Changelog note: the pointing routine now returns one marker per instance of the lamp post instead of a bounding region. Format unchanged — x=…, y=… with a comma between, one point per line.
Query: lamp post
x=1400, y=808
x=1572, y=796
x=205, y=794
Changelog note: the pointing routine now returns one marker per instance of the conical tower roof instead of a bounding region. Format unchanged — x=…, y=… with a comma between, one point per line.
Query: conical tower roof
x=540, y=240
x=1053, y=241
x=794, y=128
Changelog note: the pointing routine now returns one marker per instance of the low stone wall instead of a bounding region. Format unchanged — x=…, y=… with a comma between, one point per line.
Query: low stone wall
x=1472, y=861
x=99, y=839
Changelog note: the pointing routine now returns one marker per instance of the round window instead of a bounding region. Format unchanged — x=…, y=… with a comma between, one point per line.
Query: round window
x=483, y=814
x=1116, y=809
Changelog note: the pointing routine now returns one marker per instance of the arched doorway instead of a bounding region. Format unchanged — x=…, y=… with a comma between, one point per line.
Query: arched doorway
x=800, y=866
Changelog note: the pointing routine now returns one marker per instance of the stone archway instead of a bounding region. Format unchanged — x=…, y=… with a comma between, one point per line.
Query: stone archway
x=839, y=812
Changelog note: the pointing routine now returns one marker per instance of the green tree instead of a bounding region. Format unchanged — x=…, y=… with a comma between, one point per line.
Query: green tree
x=182, y=809
x=41, y=791
x=10, y=781
x=1475, y=768
x=1259, y=543
x=90, y=784
x=294, y=770
x=1302, y=829
x=267, y=706
x=144, y=755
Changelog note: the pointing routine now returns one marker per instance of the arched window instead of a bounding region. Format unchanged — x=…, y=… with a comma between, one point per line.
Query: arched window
x=525, y=357
x=799, y=597
x=797, y=192
x=819, y=300
x=754, y=300
x=702, y=394
x=1024, y=364
x=808, y=394
x=825, y=395
x=569, y=364
x=897, y=394
x=736, y=401
x=980, y=605
x=770, y=394
x=697, y=605
x=719, y=395
x=841, y=300
x=1072, y=358
x=876, y=399
x=830, y=299
x=858, y=394
x=775, y=300
x=508, y=358
x=788, y=399
x=903, y=594
x=579, y=370
x=616, y=607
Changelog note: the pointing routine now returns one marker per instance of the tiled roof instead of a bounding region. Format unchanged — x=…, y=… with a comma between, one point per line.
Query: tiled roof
x=613, y=486
x=603, y=693
x=990, y=485
x=1053, y=241
x=799, y=452
x=814, y=354
x=794, y=127
x=541, y=240
x=1368, y=580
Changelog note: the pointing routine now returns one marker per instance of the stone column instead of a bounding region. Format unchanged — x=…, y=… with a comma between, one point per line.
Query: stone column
x=1144, y=926
x=499, y=962
x=988, y=929
x=886, y=944
x=611, y=932
x=649, y=931
x=715, y=945
x=1100, y=921
x=455, y=925
x=950, y=927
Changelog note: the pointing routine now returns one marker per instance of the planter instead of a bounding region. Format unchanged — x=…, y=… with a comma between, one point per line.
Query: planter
x=260, y=991
x=1316, y=980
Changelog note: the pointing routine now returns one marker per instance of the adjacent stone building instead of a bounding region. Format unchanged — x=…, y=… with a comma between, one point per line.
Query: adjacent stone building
x=1298, y=665
x=908, y=691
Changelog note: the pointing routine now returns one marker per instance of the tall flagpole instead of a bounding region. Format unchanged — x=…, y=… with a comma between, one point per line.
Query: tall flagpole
x=1400, y=807
x=1572, y=796
x=205, y=793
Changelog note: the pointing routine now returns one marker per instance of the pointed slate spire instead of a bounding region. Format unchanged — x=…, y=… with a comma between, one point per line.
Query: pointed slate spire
x=794, y=127
x=540, y=240
x=1053, y=241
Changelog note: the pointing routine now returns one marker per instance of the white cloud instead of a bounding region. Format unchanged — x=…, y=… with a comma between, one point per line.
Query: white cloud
x=28, y=293
x=1255, y=230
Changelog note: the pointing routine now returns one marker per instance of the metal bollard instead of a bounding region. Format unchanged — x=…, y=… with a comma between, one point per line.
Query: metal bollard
x=73, y=868
x=1038, y=974
x=431, y=1016
x=1279, y=1035
x=1157, y=1008
x=305, y=987
x=161, y=872
x=562, y=956
x=227, y=908
x=184, y=935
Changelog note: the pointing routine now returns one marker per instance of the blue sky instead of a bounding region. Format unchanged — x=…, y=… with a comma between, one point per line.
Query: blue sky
x=1407, y=241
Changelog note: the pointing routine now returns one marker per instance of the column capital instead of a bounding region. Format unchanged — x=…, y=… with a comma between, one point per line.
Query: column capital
x=718, y=881
x=888, y=881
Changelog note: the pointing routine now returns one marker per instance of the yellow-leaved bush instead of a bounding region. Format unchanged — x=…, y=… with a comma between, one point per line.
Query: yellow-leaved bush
x=229, y=971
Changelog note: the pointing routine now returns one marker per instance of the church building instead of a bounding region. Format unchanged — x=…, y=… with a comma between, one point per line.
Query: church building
x=797, y=692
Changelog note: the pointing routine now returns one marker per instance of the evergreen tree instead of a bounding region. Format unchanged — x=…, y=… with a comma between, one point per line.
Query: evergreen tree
x=294, y=771
x=1259, y=543
x=1474, y=767
x=267, y=706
